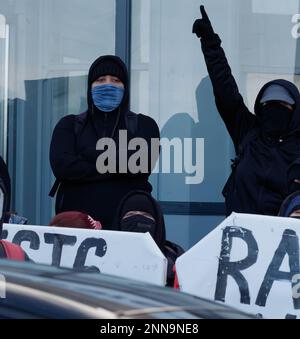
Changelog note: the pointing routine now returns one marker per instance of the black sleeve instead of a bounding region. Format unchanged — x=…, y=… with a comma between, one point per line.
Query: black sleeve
x=5, y=185
x=147, y=130
x=292, y=175
x=229, y=101
x=66, y=163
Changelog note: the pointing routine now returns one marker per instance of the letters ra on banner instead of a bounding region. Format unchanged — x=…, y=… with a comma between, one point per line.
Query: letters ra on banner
x=248, y=262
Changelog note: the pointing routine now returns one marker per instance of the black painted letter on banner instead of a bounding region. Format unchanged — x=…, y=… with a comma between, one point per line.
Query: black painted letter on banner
x=101, y=248
x=289, y=245
x=58, y=241
x=27, y=236
x=233, y=269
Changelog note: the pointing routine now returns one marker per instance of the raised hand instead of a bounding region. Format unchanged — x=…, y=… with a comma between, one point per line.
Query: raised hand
x=202, y=27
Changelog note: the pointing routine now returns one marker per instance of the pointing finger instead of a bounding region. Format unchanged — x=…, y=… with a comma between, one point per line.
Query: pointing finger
x=204, y=14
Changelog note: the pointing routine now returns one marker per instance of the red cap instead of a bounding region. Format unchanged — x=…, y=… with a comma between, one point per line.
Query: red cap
x=75, y=220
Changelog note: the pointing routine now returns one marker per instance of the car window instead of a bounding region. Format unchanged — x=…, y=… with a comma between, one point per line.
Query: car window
x=22, y=306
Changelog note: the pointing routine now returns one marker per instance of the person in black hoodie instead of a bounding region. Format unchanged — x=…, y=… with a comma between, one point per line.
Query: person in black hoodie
x=8, y=250
x=5, y=192
x=139, y=212
x=73, y=156
x=267, y=167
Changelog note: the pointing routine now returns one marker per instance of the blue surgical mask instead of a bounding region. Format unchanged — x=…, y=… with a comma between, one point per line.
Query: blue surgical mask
x=107, y=98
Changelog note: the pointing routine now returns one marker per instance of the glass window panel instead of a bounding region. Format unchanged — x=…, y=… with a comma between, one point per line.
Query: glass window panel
x=259, y=44
x=52, y=43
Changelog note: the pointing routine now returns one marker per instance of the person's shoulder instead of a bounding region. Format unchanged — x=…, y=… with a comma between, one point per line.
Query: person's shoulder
x=66, y=122
x=148, y=124
x=145, y=120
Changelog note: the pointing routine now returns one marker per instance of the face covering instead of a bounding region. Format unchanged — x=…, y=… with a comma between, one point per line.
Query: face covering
x=107, y=98
x=138, y=224
x=275, y=120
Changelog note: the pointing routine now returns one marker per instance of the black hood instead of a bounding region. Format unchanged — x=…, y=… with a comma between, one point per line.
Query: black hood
x=117, y=60
x=293, y=90
x=160, y=234
x=290, y=204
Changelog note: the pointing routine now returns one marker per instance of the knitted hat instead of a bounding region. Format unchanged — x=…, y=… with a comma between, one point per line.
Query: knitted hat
x=108, y=67
x=140, y=203
x=75, y=220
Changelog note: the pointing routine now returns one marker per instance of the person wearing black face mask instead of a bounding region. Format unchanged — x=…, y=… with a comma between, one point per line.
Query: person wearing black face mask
x=8, y=250
x=139, y=212
x=276, y=118
x=267, y=165
x=138, y=221
x=276, y=111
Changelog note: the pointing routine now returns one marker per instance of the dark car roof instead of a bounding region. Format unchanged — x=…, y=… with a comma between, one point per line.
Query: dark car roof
x=46, y=291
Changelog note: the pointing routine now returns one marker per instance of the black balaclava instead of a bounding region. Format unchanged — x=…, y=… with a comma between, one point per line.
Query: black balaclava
x=138, y=223
x=275, y=117
x=143, y=202
x=138, y=202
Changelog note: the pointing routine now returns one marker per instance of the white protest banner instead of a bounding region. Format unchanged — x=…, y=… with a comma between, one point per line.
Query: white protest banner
x=249, y=262
x=129, y=255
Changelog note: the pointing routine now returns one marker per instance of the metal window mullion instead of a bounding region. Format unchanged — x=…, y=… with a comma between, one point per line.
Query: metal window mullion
x=123, y=31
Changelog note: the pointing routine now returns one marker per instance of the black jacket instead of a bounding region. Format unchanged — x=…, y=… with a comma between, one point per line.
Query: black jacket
x=73, y=158
x=264, y=171
x=5, y=188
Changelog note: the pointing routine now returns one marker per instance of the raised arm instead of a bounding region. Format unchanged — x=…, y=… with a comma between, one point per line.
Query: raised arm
x=229, y=101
